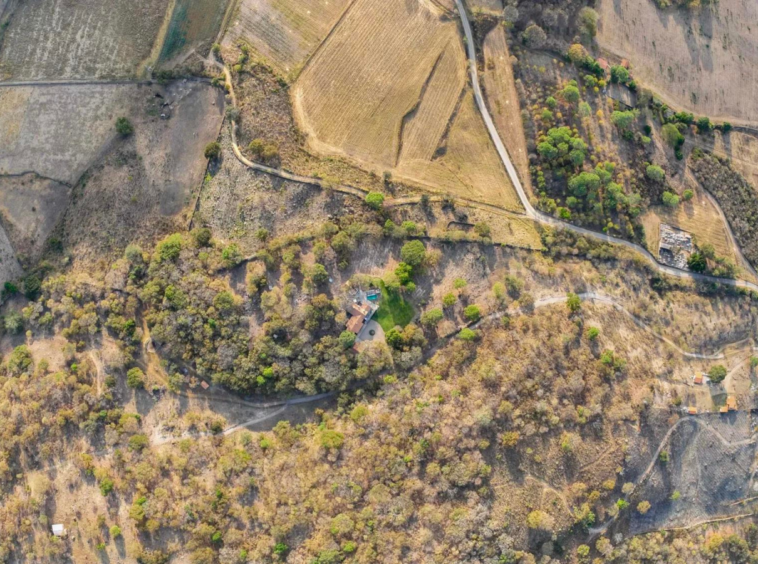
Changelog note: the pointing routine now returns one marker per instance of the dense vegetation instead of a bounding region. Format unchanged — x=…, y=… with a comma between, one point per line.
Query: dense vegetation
x=736, y=197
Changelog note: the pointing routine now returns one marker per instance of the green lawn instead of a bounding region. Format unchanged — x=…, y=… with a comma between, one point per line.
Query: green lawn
x=393, y=310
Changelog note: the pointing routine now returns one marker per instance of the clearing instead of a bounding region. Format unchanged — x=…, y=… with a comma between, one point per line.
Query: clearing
x=59, y=39
x=284, y=32
x=692, y=59
x=387, y=90
x=393, y=310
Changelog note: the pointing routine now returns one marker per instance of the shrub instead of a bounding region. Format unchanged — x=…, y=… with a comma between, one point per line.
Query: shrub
x=106, y=486
x=482, y=229
x=670, y=199
x=655, y=173
x=688, y=195
x=697, y=263
x=135, y=378
x=573, y=302
x=448, y=300
x=432, y=317
x=332, y=439
x=413, y=253
x=672, y=135
x=212, y=150
x=375, y=200
x=472, y=313
x=643, y=507
x=717, y=373
x=138, y=442
x=592, y=333
x=347, y=339
x=124, y=127
x=467, y=334
x=115, y=531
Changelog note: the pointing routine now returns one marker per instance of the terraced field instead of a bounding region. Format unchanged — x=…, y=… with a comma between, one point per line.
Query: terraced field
x=387, y=90
x=60, y=39
x=284, y=32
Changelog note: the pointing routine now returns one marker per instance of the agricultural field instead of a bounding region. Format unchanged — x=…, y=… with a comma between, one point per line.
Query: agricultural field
x=698, y=60
x=284, y=32
x=503, y=101
x=194, y=25
x=59, y=39
x=407, y=113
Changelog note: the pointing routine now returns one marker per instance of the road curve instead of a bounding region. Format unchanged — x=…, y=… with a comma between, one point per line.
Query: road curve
x=543, y=218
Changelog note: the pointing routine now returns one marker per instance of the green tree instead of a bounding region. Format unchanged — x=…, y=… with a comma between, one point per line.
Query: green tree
x=717, y=373
x=467, y=334
x=592, y=333
x=124, y=127
x=413, y=253
x=671, y=135
x=115, y=531
x=670, y=199
x=534, y=36
x=624, y=119
x=375, y=200
x=318, y=274
x=449, y=299
x=655, y=173
x=135, y=378
x=431, y=318
x=472, y=312
x=347, y=339
x=573, y=302
x=571, y=94
x=697, y=263
x=212, y=150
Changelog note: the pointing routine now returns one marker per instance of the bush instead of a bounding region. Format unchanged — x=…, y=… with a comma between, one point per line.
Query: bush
x=697, y=262
x=592, y=333
x=467, y=334
x=375, y=200
x=432, y=317
x=672, y=135
x=124, y=127
x=135, y=378
x=413, y=253
x=655, y=173
x=212, y=150
x=573, y=302
x=670, y=199
x=472, y=313
x=717, y=373
x=347, y=339
x=332, y=439
x=448, y=300
x=115, y=531
x=688, y=195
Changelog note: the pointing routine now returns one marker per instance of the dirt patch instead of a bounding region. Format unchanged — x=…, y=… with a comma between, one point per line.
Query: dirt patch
x=31, y=206
x=139, y=188
x=49, y=39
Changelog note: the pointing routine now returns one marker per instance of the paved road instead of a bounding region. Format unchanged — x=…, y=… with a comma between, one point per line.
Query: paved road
x=549, y=220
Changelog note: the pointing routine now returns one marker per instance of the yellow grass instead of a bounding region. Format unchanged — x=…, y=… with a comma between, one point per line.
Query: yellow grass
x=698, y=217
x=284, y=32
x=470, y=168
x=502, y=99
x=742, y=150
x=387, y=90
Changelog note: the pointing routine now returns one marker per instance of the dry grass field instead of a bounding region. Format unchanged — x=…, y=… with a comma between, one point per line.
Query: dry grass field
x=58, y=131
x=386, y=90
x=694, y=59
x=503, y=102
x=698, y=217
x=742, y=150
x=60, y=39
x=284, y=32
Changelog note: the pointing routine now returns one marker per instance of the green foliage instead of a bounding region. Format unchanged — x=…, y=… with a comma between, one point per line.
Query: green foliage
x=573, y=302
x=697, y=263
x=687, y=195
x=672, y=136
x=449, y=299
x=670, y=199
x=375, y=200
x=124, y=127
x=106, y=486
x=212, y=150
x=655, y=173
x=169, y=248
x=115, y=531
x=332, y=439
x=571, y=94
x=472, y=313
x=431, y=318
x=135, y=378
x=717, y=373
x=619, y=74
x=393, y=310
x=413, y=253
x=663, y=456
x=467, y=334
x=592, y=333
x=347, y=339
x=624, y=119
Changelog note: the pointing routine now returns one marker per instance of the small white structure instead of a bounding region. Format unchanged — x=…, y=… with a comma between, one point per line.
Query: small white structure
x=59, y=530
